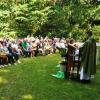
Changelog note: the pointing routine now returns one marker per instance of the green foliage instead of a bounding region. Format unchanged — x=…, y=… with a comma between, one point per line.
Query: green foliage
x=96, y=31
x=11, y=34
x=77, y=33
x=49, y=17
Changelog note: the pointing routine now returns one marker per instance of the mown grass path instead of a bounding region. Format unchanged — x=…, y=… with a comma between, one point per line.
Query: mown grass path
x=32, y=80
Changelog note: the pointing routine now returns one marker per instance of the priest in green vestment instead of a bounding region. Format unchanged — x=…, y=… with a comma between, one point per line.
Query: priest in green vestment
x=88, y=58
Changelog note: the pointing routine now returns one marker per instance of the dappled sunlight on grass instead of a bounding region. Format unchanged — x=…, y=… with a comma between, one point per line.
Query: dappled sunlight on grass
x=27, y=97
x=3, y=80
x=32, y=80
x=4, y=98
x=4, y=71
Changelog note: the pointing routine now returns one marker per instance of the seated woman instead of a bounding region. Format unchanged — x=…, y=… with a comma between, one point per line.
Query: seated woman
x=29, y=48
x=40, y=47
x=47, y=48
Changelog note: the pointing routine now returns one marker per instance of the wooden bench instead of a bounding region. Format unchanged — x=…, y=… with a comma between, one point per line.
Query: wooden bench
x=3, y=59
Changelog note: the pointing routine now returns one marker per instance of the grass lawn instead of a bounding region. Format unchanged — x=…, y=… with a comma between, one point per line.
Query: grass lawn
x=32, y=80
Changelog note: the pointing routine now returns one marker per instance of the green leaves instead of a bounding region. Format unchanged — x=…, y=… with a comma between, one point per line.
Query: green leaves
x=48, y=17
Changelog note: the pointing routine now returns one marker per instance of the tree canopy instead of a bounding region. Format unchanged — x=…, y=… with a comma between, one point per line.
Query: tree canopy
x=53, y=18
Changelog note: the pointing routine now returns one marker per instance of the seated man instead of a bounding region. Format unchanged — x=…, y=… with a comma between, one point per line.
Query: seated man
x=24, y=48
x=13, y=52
x=88, y=58
x=34, y=48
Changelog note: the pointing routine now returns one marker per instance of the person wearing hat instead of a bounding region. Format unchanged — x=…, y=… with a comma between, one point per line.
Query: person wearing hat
x=88, y=59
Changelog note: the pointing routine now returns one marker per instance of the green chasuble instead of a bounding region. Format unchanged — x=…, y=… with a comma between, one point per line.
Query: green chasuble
x=88, y=56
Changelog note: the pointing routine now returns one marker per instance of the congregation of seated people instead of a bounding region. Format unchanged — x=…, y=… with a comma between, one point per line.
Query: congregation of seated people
x=8, y=54
x=12, y=50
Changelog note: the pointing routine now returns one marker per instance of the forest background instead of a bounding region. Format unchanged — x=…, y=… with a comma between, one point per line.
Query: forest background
x=52, y=18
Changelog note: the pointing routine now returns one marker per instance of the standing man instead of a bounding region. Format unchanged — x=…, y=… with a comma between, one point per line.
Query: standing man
x=88, y=58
